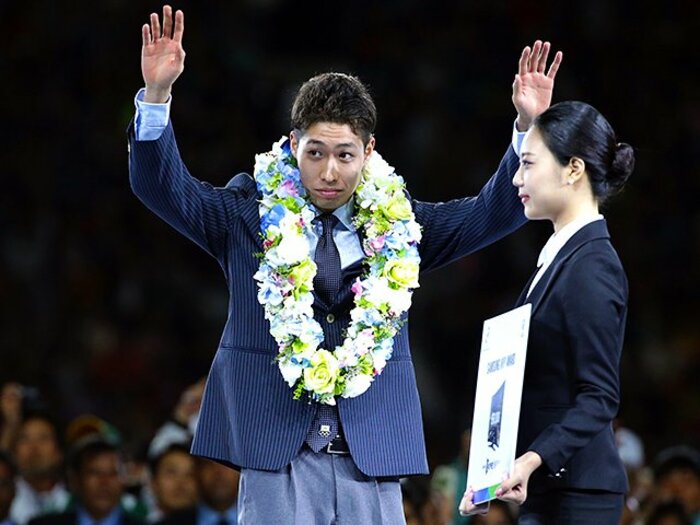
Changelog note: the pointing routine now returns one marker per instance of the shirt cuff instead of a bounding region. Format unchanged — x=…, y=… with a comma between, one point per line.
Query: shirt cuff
x=151, y=119
x=517, y=140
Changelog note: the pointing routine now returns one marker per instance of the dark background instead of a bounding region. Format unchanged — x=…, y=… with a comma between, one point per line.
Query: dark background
x=108, y=311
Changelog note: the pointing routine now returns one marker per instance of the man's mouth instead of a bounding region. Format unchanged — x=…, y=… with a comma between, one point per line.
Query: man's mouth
x=327, y=193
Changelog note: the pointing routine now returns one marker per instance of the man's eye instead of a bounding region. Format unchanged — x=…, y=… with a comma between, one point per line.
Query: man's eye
x=346, y=156
x=314, y=153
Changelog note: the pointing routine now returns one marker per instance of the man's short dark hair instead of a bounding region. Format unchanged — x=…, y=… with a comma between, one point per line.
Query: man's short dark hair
x=40, y=415
x=680, y=457
x=154, y=462
x=88, y=448
x=336, y=98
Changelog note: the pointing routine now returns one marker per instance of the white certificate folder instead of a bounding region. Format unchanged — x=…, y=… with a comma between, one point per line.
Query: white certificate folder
x=499, y=390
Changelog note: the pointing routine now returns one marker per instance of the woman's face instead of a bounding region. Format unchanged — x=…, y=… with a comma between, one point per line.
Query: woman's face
x=541, y=180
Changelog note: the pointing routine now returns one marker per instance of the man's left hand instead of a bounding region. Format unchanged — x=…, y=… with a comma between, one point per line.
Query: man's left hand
x=532, y=88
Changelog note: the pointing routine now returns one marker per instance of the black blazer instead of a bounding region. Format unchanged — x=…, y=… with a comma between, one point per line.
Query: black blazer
x=571, y=391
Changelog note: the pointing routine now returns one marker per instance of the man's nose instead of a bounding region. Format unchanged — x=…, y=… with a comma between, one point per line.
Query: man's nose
x=329, y=173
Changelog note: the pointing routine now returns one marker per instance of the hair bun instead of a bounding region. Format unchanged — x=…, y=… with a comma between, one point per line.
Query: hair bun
x=622, y=166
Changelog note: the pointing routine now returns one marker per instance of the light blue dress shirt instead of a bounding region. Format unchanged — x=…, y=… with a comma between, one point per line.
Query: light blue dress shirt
x=114, y=518
x=152, y=119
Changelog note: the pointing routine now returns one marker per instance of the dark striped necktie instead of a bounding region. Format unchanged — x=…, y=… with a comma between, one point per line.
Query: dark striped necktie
x=326, y=283
x=327, y=257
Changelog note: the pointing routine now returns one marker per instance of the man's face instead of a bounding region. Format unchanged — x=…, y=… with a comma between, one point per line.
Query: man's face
x=175, y=484
x=683, y=485
x=330, y=158
x=218, y=485
x=37, y=451
x=99, y=484
x=7, y=491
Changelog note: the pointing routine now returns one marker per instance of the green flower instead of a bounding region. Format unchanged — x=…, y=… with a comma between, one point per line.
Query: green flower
x=303, y=273
x=398, y=208
x=322, y=374
x=402, y=272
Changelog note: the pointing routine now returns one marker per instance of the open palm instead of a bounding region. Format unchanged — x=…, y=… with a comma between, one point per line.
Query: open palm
x=532, y=88
x=162, y=54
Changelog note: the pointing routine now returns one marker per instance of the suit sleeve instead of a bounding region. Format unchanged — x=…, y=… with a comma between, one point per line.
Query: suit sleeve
x=196, y=209
x=595, y=308
x=459, y=227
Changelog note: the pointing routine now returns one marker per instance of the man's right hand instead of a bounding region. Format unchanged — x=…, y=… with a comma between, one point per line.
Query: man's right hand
x=162, y=55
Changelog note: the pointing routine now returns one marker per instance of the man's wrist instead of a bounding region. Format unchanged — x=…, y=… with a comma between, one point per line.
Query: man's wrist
x=522, y=124
x=156, y=95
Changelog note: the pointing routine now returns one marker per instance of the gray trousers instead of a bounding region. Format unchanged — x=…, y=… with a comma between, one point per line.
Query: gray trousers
x=318, y=489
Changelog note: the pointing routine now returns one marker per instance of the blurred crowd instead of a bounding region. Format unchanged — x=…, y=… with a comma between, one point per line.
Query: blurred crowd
x=81, y=473
x=107, y=311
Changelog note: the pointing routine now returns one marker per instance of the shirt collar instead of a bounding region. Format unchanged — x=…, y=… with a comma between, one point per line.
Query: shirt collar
x=113, y=518
x=344, y=213
x=560, y=238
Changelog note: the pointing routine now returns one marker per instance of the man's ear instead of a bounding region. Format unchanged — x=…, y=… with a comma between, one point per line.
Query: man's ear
x=369, y=147
x=293, y=142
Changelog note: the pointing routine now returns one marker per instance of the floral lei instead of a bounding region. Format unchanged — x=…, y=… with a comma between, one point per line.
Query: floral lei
x=287, y=269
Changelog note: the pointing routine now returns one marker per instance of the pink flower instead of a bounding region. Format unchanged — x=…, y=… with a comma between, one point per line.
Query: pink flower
x=377, y=243
x=357, y=287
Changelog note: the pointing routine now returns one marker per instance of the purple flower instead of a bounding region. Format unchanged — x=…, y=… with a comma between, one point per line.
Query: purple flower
x=289, y=188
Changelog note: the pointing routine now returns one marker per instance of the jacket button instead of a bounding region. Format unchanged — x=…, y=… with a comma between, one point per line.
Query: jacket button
x=330, y=318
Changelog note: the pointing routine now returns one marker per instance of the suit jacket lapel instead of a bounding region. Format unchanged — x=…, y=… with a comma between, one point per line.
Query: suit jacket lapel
x=590, y=232
x=523, y=295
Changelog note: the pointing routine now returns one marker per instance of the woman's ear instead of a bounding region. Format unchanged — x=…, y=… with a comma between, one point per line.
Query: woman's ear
x=576, y=169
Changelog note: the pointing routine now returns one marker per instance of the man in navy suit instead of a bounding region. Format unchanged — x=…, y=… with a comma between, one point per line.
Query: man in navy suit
x=308, y=462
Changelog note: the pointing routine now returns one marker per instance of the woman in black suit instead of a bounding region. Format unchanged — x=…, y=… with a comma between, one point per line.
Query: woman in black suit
x=568, y=470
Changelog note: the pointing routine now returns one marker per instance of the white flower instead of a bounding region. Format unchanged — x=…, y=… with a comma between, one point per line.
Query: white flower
x=356, y=385
x=290, y=371
x=399, y=301
x=364, y=342
x=262, y=161
x=289, y=225
x=290, y=250
x=346, y=355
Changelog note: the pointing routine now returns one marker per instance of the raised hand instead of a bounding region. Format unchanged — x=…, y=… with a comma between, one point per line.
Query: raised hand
x=532, y=88
x=162, y=55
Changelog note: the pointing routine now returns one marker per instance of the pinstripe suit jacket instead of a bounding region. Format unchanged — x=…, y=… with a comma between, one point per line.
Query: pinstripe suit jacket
x=248, y=417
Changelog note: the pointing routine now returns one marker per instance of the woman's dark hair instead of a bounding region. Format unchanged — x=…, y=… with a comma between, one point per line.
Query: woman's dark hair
x=576, y=129
x=337, y=98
